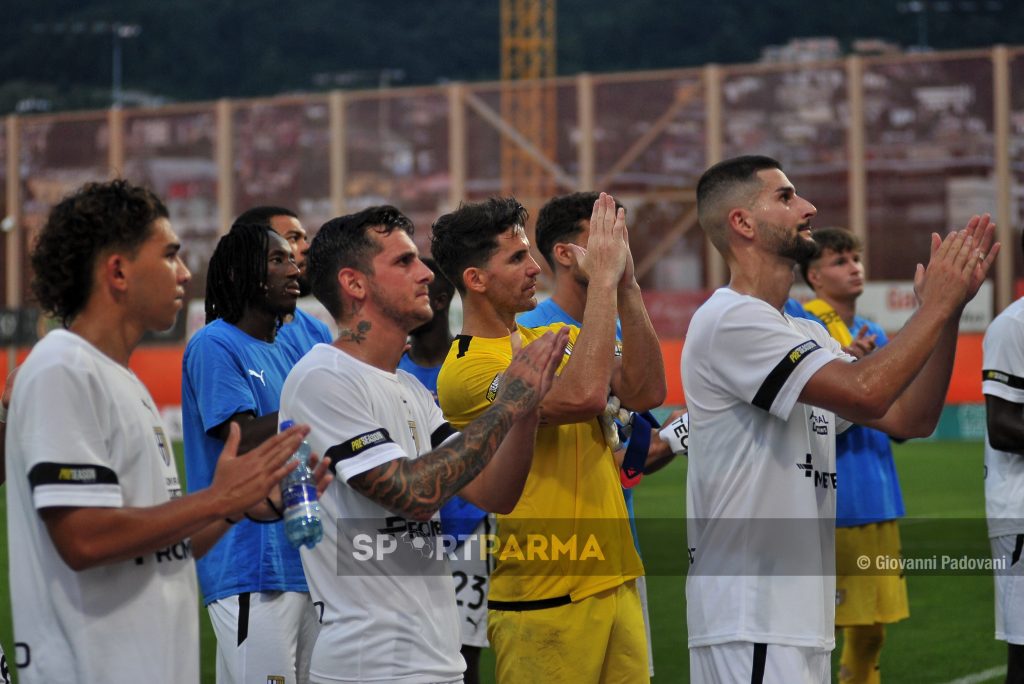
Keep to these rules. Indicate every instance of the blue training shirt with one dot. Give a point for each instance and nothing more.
(300, 334)
(226, 371)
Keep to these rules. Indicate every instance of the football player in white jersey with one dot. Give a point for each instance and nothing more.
(1003, 387)
(5, 402)
(103, 586)
(389, 612)
(764, 391)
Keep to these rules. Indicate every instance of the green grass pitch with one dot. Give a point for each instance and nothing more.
(950, 631)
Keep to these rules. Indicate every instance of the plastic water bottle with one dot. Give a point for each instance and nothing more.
(298, 493)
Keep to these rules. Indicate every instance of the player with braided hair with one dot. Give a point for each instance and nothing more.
(234, 368)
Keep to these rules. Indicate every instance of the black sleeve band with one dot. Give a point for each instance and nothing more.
(773, 384)
(440, 434)
(1012, 381)
(70, 474)
(357, 445)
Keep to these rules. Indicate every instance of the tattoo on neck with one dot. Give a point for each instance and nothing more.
(358, 335)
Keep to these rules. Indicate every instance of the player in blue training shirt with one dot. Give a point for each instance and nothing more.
(252, 579)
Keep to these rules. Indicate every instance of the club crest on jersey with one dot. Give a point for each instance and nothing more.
(163, 445)
(822, 478)
(492, 390)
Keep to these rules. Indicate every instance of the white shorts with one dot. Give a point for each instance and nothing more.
(472, 581)
(264, 637)
(641, 589)
(742, 661)
(1009, 588)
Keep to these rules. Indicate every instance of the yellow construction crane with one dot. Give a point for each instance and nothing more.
(527, 104)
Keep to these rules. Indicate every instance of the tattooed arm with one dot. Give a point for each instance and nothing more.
(502, 436)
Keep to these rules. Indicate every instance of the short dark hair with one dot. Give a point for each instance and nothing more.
(468, 236)
(345, 242)
(559, 221)
(237, 272)
(260, 216)
(95, 218)
(839, 240)
(718, 183)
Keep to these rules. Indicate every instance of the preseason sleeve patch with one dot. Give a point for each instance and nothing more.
(776, 380)
(492, 389)
(357, 445)
(70, 474)
(1011, 381)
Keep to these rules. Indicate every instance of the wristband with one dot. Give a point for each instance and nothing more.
(632, 469)
(677, 435)
(278, 512)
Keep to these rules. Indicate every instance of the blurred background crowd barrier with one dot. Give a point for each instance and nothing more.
(892, 146)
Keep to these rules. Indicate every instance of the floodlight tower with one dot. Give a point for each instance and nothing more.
(527, 105)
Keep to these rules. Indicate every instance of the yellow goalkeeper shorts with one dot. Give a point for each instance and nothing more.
(598, 639)
(872, 595)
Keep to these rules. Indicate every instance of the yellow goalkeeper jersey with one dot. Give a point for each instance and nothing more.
(569, 534)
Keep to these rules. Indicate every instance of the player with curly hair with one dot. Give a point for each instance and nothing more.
(103, 584)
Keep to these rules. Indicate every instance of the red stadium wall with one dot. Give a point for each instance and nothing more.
(160, 369)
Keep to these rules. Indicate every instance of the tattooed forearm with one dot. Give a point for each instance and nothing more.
(418, 488)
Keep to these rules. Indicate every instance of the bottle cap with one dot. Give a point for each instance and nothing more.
(287, 424)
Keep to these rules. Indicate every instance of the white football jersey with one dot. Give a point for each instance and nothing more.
(761, 481)
(381, 580)
(83, 431)
(1003, 377)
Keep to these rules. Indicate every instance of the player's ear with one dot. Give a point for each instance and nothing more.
(563, 254)
(741, 221)
(475, 279)
(113, 269)
(352, 283)
(813, 277)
